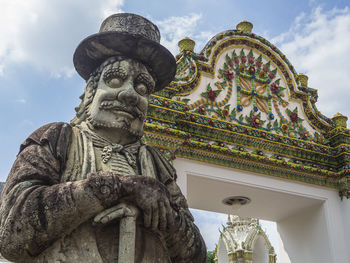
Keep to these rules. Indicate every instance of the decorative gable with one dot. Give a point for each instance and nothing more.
(240, 103)
(242, 78)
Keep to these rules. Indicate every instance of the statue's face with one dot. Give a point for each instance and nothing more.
(121, 98)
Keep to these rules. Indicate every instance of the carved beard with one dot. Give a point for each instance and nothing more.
(120, 122)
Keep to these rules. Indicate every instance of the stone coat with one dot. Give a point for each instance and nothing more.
(44, 220)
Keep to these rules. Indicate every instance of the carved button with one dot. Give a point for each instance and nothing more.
(105, 190)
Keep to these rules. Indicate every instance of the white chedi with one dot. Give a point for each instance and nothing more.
(242, 240)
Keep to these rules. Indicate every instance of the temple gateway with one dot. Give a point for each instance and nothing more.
(242, 126)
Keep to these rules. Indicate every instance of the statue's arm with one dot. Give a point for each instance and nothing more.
(185, 242)
(36, 209)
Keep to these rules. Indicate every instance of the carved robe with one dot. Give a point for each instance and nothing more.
(37, 205)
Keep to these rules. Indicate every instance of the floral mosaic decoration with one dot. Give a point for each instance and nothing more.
(257, 87)
(257, 128)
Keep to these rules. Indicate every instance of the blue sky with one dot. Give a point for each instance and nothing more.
(39, 85)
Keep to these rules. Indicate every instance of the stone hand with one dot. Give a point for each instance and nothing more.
(116, 212)
(148, 194)
(105, 186)
(152, 198)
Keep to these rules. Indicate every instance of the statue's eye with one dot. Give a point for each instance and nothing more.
(141, 88)
(144, 84)
(114, 82)
(114, 77)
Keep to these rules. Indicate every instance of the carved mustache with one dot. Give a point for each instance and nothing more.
(115, 105)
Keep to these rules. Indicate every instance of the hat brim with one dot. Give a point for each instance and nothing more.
(95, 49)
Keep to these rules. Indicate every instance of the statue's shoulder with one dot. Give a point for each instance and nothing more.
(56, 135)
(165, 169)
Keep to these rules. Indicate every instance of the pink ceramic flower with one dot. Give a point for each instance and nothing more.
(250, 60)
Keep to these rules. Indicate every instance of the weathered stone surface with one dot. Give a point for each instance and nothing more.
(90, 191)
(2, 184)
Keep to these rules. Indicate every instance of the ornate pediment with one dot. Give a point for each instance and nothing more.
(240, 103)
(241, 78)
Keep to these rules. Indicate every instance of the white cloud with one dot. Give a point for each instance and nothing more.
(21, 101)
(318, 44)
(209, 224)
(173, 29)
(44, 34)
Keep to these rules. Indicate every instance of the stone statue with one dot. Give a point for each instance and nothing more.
(90, 191)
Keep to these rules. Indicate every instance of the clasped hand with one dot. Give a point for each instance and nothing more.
(148, 195)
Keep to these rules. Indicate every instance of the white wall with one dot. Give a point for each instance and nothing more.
(305, 236)
(345, 208)
(311, 220)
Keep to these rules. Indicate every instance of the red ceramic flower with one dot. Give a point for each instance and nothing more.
(229, 74)
(255, 121)
(236, 60)
(265, 69)
(258, 64)
(202, 109)
(243, 59)
(293, 117)
(251, 70)
(271, 75)
(212, 95)
(230, 63)
(274, 88)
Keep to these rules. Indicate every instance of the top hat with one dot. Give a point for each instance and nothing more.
(128, 35)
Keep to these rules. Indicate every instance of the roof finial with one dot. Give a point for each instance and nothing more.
(303, 79)
(229, 222)
(186, 44)
(245, 26)
(340, 120)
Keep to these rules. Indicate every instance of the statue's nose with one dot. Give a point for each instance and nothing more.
(128, 96)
